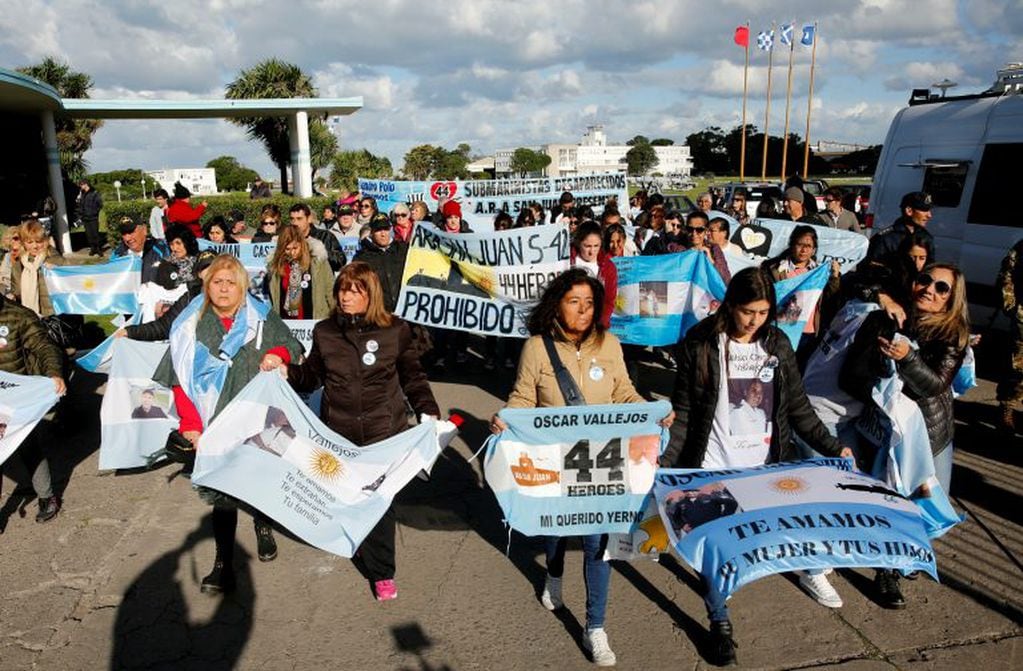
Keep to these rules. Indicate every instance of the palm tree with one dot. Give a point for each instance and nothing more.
(271, 78)
(74, 136)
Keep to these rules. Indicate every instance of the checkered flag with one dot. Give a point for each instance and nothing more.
(765, 40)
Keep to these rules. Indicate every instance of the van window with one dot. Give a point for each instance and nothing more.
(945, 183)
(999, 175)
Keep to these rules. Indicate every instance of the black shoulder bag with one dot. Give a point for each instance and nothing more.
(568, 387)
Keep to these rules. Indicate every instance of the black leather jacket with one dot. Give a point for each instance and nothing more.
(695, 398)
(927, 375)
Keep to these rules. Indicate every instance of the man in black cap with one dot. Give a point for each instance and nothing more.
(916, 212)
(345, 224)
(795, 199)
(135, 241)
(386, 256)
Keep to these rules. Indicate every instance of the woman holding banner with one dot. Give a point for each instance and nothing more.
(299, 284)
(366, 361)
(217, 345)
(566, 324)
(734, 355)
(938, 323)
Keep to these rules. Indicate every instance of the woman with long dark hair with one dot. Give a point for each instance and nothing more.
(568, 314)
(179, 267)
(719, 360)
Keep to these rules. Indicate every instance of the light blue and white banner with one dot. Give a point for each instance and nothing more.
(482, 283)
(100, 289)
(481, 200)
(896, 427)
(575, 470)
(271, 451)
(661, 297)
(24, 400)
(797, 299)
(349, 244)
(253, 255)
(302, 329)
(767, 238)
(734, 526)
(136, 414)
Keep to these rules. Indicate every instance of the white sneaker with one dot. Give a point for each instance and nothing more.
(595, 642)
(817, 586)
(551, 597)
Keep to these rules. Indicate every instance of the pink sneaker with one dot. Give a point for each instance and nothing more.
(385, 590)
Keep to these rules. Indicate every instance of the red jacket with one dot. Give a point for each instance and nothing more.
(608, 274)
(182, 212)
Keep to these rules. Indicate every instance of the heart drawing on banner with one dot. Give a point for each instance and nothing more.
(751, 239)
(439, 190)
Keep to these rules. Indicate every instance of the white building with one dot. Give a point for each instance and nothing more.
(593, 155)
(200, 181)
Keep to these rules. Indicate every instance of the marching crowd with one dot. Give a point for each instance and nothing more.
(742, 394)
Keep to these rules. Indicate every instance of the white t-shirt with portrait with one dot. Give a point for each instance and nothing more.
(740, 434)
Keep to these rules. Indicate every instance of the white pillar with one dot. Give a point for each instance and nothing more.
(293, 146)
(302, 170)
(60, 223)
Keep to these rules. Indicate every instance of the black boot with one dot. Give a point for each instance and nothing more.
(266, 546)
(220, 580)
(721, 647)
(48, 508)
(889, 595)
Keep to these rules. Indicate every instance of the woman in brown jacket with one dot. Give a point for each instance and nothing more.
(363, 357)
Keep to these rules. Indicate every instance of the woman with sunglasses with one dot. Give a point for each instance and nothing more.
(269, 224)
(402, 224)
(367, 209)
(694, 236)
(938, 323)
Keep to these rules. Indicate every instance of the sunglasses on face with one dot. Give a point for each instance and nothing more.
(696, 229)
(365, 206)
(940, 286)
(401, 215)
(269, 222)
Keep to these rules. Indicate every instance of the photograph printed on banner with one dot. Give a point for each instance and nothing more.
(4, 421)
(653, 299)
(150, 402)
(790, 310)
(687, 509)
(276, 435)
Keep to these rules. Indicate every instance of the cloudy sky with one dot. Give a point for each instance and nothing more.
(507, 73)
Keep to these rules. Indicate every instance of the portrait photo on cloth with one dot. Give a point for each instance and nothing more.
(150, 402)
(276, 435)
(689, 508)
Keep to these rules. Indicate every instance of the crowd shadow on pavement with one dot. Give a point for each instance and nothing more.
(411, 639)
(153, 629)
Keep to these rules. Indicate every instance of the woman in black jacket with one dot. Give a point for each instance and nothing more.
(938, 322)
(738, 398)
(364, 359)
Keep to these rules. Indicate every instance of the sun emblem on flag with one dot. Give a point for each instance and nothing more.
(88, 284)
(326, 466)
(789, 485)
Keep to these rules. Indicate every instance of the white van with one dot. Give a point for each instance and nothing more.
(967, 152)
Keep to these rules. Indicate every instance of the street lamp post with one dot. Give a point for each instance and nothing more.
(143, 188)
(117, 185)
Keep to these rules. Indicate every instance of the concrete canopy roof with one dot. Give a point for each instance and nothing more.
(21, 93)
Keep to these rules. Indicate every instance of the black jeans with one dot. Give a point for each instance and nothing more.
(92, 234)
(377, 550)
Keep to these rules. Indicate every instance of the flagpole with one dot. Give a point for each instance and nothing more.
(809, 102)
(767, 109)
(788, 100)
(745, 88)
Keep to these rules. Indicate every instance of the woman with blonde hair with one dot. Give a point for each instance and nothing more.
(11, 244)
(217, 345)
(27, 284)
(363, 357)
(299, 284)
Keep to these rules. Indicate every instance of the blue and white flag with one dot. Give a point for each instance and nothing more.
(765, 40)
(966, 377)
(575, 470)
(786, 34)
(137, 414)
(896, 427)
(808, 35)
(349, 243)
(797, 299)
(482, 283)
(100, 289)
(734, 526)
(660, 297)
(271, 451)
(481, 200)
(200, 372)
(770, 237)
(24, 400)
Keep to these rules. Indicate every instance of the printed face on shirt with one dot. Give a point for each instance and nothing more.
(576, 310)
(224, 292)
(749, 317)
(177, 248)
(589, 248)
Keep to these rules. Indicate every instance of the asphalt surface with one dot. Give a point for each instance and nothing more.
(113, 581)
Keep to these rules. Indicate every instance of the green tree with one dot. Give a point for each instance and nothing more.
(639, 139)
(419, 161)
(452, 164)
(525, 161)
(710, 152)
(131, 184)
(74, 136)
(231, 175)
(322, 145)
(662, 142)
(641, 158)
(348, 166)
(274, 78)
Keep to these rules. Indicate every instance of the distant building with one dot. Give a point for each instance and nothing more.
(200, 181)
(593, 155)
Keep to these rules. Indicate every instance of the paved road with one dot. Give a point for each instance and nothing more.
(113, 581)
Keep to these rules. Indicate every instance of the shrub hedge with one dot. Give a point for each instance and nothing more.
(216, 205)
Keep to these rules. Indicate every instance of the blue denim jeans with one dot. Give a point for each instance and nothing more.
(943, 468)
(596, 572)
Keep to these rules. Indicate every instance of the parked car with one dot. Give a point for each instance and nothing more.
(755, 192)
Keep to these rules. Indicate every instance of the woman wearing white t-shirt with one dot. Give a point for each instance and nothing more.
(729, 350)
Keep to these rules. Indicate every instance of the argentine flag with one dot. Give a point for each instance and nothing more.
(797, 297)
(101, 289)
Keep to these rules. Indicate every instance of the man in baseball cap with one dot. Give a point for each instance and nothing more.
(916, 212)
